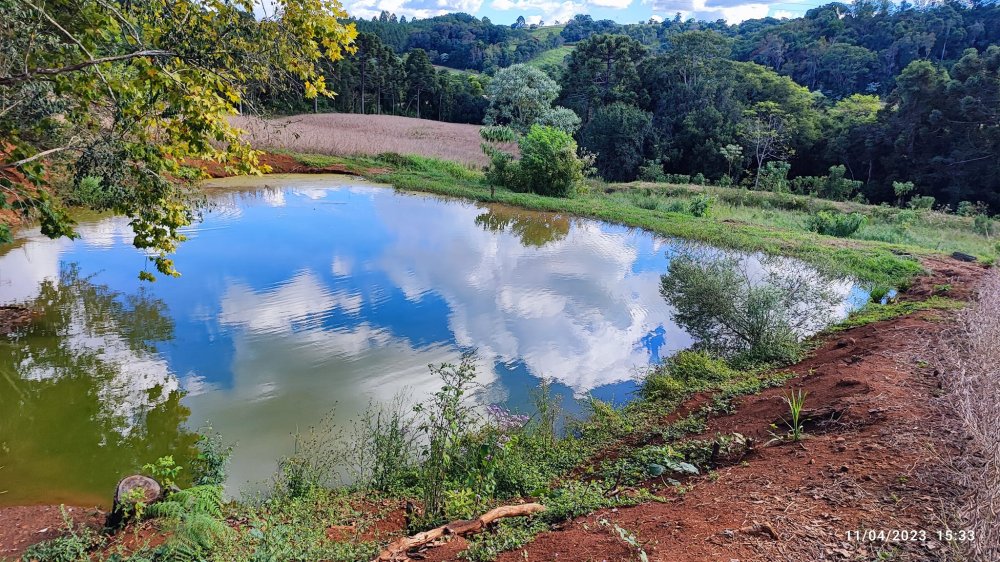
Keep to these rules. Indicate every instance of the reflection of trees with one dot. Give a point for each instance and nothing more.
(534, 228)
(73, 416)
(727, 307)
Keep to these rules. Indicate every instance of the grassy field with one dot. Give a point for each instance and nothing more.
(366, 135)
(739, 219)
(543, 33)
(552, 57)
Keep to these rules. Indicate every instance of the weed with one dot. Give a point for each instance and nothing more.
(164, 470)
(795, 401)
(69, 547)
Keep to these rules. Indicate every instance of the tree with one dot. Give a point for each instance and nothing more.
(600, 71)
(521, 96)
(765, 135)
(125, 93)
(420, 75)
(618, 134)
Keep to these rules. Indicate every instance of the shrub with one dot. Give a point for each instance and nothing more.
(983, 224)
(922, 203)
(383, 442)
(836, 224)
(697, 366)
(774, 176)
(700, 206)
(832, 186)
(659, 384)
(209, 467)
(549, 164)
(447, 419)
(902, 189)
(652, 171)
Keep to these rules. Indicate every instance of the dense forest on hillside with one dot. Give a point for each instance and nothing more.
(856, 100)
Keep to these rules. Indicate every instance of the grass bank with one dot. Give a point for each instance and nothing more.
(886, 252)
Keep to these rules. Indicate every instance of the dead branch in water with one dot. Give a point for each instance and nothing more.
(397, 549)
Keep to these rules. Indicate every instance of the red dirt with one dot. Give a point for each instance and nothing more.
(23, 526)
(279, 164)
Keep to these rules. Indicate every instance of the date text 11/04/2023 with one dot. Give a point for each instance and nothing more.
(910, 535)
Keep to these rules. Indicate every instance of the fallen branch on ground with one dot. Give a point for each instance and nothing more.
(397, 549)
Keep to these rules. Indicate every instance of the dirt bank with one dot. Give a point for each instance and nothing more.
(279, 164)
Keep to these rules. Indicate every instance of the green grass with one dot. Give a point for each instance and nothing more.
(551, 58)
(543, 33)
(877, 312)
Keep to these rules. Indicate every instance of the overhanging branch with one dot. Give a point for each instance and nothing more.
(17, 78)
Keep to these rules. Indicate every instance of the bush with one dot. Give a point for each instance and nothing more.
(774, 176)
(983, 224)
(652, 171)
(836, 224)
(833, 186)
(697, 366)
(659, 384)
(209, 467)
(700, 206)
(922, 203)
(549, 164)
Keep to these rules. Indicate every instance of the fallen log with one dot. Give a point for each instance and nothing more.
(397, 549)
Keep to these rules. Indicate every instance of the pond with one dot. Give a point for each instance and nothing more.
(304, 298)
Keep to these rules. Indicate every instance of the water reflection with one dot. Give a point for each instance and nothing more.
(534, 228)
(304, 294)
(84, 397)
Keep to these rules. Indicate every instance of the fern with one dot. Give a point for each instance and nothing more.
(197, 500)
(194, 519)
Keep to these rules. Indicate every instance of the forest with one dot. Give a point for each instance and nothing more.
(869, 101)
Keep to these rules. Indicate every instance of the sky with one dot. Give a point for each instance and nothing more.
(622, 11)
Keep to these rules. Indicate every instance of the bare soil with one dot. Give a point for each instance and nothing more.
(344, 134)
(23, 526)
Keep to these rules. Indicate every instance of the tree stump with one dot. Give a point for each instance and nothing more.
(126, 497)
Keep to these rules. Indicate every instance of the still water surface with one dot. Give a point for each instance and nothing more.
(303, 295)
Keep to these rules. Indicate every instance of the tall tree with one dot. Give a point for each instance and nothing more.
(601, 70)
(420, 75)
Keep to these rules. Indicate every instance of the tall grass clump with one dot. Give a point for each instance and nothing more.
(971, 367)
(840, 225)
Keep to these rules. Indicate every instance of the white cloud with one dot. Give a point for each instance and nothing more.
(710, 11)
(410, 8)
(553, 10)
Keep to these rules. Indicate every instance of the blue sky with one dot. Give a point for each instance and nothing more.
(622, 11)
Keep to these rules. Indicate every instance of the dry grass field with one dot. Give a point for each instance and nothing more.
(344, 134)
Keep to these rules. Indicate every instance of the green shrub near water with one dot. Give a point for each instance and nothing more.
(549, 164)
(836, 224)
